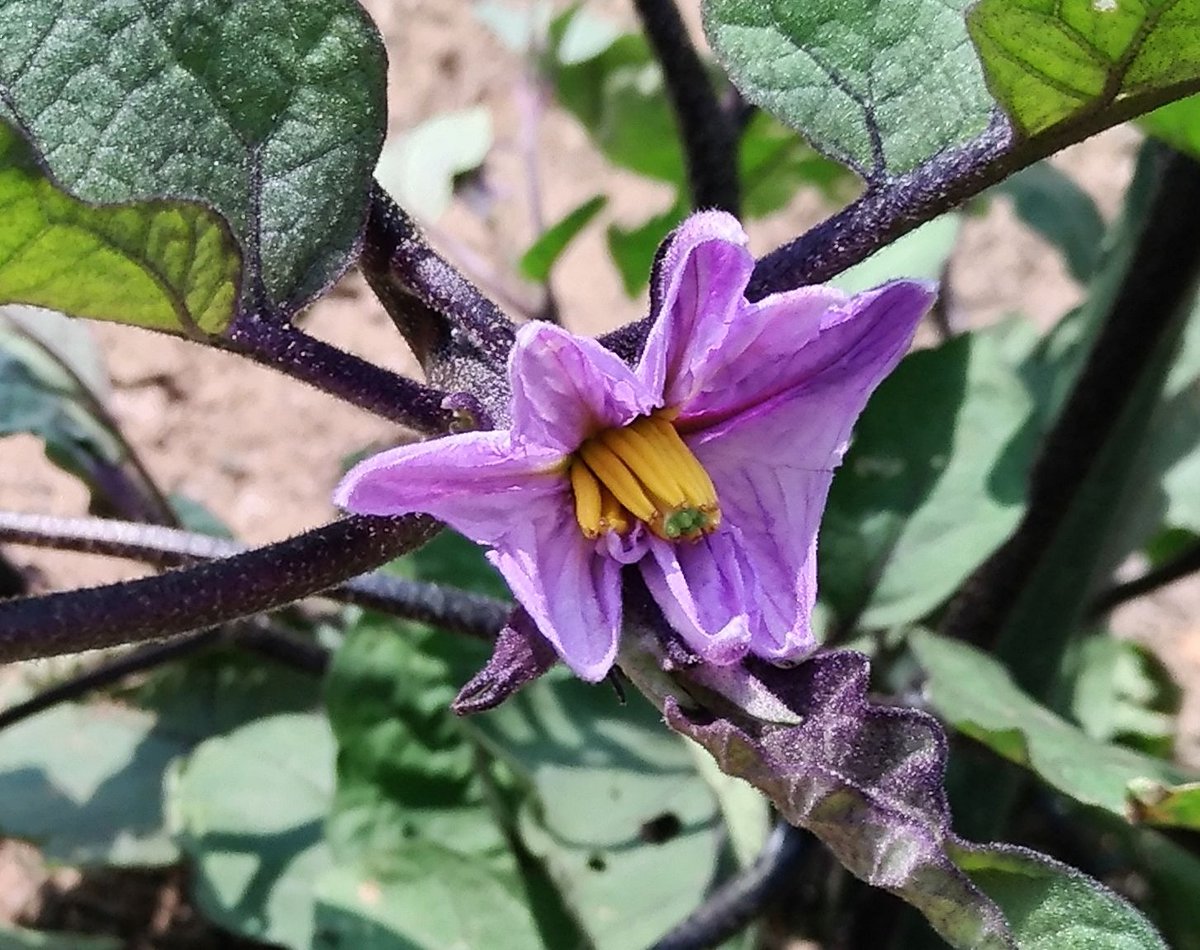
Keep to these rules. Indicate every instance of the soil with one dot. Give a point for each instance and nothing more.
(262, 451)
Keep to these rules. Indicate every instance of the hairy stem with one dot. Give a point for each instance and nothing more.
(451, 609)
(290, 350)
(710, 139)
(207, 594)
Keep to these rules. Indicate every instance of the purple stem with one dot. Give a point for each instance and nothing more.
(710, 139)
(208, 594)
(290, 350)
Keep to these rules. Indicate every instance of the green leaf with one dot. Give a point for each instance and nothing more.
(1177, 124)
(924, 496)
(431, 898)
(773, 162)
(1050, 906)
(614, 87)
(167, 266)
(1123, 693)
(633, 250)
(1048, 63)
(851, 76)
(248, 808)
(1064, 214)
(84, 783)
(271, 113)
(627, 829)
(18, 938)
(1172, 805)
(976, 694)
(537, 262)
(744, 808)
(419, 166)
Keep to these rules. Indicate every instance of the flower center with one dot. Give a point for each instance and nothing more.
(642, 472)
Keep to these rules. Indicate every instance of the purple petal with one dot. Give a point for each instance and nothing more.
(702, 588)
(520, 656)
(572, 592)
(807, 339)
(473, 481)
(699, 285)
(776, 511)
(566, 388)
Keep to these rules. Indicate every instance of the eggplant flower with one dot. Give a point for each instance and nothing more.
(707, 464)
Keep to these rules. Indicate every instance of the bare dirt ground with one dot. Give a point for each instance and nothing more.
(262, 451)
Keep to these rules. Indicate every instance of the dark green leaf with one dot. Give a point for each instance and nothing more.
(270, 112)
(633, 250)
(627, 829)
(855, 76)
(249, 808)
(537, 262)
(167, 266)
(976, 694)
(419, 166)
(1048, 63)
(1052, 204)
(934, 480)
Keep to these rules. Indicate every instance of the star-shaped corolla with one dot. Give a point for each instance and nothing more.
(707, 464)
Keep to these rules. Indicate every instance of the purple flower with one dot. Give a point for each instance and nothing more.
(707, 464)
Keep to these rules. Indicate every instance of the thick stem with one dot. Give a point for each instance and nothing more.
(290, 350)
(451, 609)
(710, 139)
(732, 906)
(208, 594)
(1160, 280)
(427, 297)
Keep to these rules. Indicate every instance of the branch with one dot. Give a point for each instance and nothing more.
(449, 608)
(208, 594)
(1185, 563)
(710, 139)
(731, 907)
(1159, 280)
(290, 350)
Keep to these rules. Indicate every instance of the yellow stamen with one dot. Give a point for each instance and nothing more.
(697, 486)
(612, 516)
(608, 467)
(589, 509)
(642, 457)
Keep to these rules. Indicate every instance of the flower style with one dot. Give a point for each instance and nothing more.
(707, 464)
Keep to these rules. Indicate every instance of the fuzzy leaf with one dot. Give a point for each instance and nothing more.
(977, 695)
(1049, 62)
(271, 113)
(168, 266)
(851, 76)
(867, 780)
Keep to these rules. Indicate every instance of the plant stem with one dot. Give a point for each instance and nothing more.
(1159, 281)
(207, 594)
(737, 902)
(458, 611)
(290, 350)
(710, 139)
(1182, 565)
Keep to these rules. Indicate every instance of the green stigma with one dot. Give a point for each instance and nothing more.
(686, 522)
